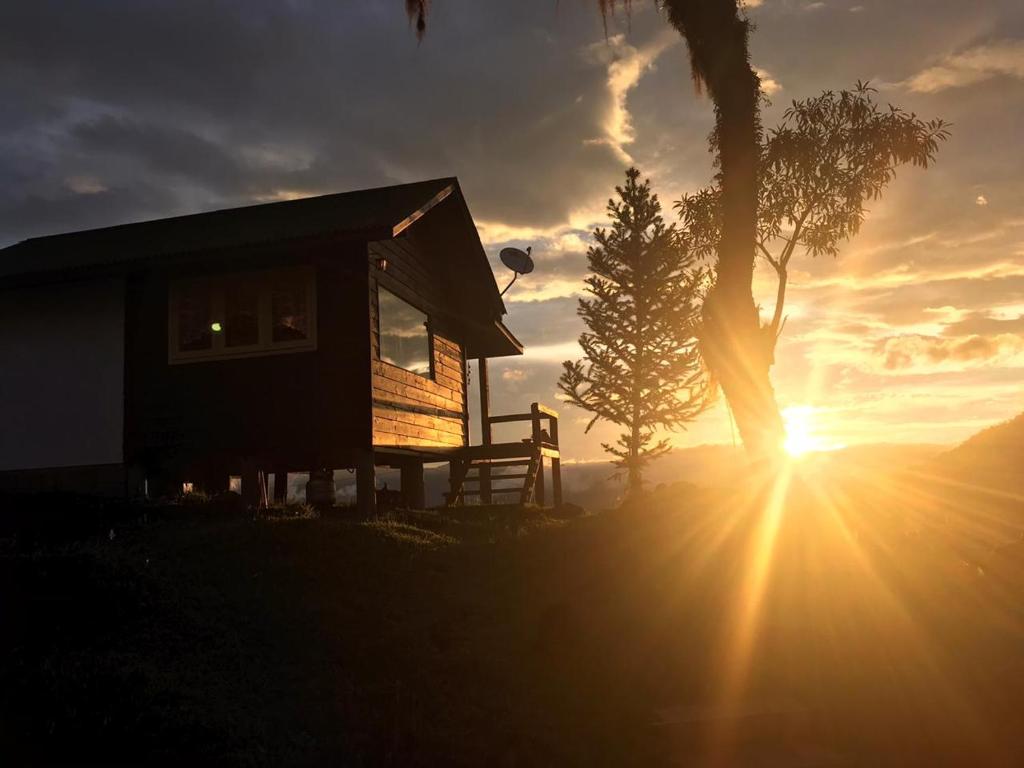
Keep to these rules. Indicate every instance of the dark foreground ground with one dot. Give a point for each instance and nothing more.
(854, 623)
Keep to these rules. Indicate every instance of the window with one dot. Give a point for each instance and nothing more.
(289, 316)
(241, 315)
(193, 317)
(404, 333)
(258, 313)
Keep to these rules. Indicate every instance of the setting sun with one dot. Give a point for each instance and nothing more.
(803, 432)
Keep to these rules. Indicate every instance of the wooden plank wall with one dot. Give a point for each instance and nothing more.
(410, 410)
(295, 411)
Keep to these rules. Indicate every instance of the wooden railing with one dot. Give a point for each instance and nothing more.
(537, 414)
(544, 439)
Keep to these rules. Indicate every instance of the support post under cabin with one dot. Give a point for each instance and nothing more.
(485, 427)
(250, 484)
(366, 485)
(556, 464)
(413, 492)
(280, 486)
(538, 441)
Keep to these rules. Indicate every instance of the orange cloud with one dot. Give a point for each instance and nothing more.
(917, 351)
(628, 64)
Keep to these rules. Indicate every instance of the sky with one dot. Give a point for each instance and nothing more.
(122, 111)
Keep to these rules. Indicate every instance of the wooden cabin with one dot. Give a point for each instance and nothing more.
(306, 335)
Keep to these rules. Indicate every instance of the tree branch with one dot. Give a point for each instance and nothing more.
(787, 251)
(780, 302)
(767, 255)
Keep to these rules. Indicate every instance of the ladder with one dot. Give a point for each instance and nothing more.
(466, 481)
(476, 468)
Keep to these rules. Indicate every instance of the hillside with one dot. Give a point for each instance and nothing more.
(992, 458)
(885, 634)
(855, 612)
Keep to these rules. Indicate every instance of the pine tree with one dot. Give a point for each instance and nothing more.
(641, 368)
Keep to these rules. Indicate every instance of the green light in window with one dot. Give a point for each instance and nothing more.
(216, 327)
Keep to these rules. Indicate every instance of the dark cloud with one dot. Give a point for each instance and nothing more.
(544, 322)
(161, 149)
(503, 96)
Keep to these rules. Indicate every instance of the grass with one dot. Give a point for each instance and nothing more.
(516, 639)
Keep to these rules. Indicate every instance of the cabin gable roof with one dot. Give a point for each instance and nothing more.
(380, 213)
(365, 214)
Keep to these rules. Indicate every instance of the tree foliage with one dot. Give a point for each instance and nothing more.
(641, 369)
(830, 156)
(732, 340)
(416, 10)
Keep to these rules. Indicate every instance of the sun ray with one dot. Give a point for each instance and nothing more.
(745, 624)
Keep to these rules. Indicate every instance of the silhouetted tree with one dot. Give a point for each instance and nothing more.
(732, 340)
(830, 155)
(641, 368)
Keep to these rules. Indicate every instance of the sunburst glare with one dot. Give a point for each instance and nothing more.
(803, 432)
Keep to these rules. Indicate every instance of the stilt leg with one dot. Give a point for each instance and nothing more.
(413, 491)
(280, 486)
(250, 484)
(539, 495)
(556, 481)
(366, 485)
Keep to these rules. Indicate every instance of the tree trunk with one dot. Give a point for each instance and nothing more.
(634, 480)
(735, 347)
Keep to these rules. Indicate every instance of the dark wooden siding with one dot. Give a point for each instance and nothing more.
(294, 411)
(411, 410)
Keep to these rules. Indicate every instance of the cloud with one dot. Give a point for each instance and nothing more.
(916, 351)
(85, 185)
(514, 374)
(902, 275)
(983, 62)
(552, 353)
(769, 84)
(277, 99)
(626, 66)
(986, 322)
(559, 254)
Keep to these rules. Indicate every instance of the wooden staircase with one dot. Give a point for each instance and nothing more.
(472, 476)
(477, 469)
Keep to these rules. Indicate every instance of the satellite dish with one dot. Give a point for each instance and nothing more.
(516, 260)
(520, 262)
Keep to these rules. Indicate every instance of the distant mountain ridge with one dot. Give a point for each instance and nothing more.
(994, 457)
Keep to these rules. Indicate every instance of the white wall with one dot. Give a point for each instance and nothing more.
(62, 375)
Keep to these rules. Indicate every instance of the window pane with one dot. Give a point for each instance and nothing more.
(289, 316)
(194, 332)
(241, 316)
(404, 340)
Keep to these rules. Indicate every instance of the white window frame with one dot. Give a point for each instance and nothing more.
(264, 282)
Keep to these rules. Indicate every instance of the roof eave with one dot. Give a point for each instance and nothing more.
(422, 211)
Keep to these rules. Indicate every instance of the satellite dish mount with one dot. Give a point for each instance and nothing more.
(520, 262)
